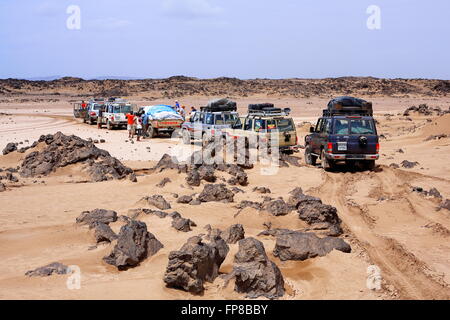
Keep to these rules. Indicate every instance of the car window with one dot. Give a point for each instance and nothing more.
(260, 125)
(202, 117)
(319, 125)
(327, 126)
(209, 118)
(341, 126)
(248, 124)
(361, 126)
(196, 117)
(237, 124)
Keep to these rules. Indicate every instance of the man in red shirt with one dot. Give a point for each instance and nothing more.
(130, 125)
(83, 105)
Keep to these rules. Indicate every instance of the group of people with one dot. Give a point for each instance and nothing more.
(182, 110)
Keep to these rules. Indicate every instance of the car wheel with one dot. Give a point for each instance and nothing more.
(91, 121)
(186, 137)
(151, 132)
(370, 164)
(326, 164)
(310, 158)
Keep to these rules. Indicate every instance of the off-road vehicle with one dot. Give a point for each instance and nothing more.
(114, 113)
(161, 119)
(93, 108)
(345, 132)
(210, 120)
(259, 125)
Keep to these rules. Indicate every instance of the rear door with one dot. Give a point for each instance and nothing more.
(315, 138)
(355, 135)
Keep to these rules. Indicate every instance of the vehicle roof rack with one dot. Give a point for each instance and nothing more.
(348, 106)
(255, 110)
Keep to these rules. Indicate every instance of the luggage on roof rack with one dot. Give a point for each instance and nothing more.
(220, 105)
(348, 106)
(260, 106)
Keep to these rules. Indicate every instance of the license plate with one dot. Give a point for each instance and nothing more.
(342, 146)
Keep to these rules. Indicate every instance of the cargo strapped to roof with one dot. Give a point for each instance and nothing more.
(267, 109)
(348, 106)
(220, 105)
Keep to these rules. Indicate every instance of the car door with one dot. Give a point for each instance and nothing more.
(315, 139)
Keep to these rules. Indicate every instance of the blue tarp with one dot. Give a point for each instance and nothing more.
(160, 112)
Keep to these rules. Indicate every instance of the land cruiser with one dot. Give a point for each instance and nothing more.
(345, 132)
(114, 113)
(93, 108)
(261, 122)
(212, 119)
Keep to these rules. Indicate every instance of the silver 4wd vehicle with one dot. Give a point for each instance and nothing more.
(212, 119)
(114, 113)
(93, 108)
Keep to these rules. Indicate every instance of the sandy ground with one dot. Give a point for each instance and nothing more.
(386, 224)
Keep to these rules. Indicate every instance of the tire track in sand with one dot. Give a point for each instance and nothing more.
(410, 276)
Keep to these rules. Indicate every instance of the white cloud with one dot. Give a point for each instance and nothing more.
(190, 9)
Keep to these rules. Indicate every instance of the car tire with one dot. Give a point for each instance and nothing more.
(186, 136)
(151, 132)
(91, 121)
(370, 165)
(327, 165)
(309, 157)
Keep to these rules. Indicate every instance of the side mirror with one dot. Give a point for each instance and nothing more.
(311, 129)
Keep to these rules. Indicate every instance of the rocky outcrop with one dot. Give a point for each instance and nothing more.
(195, 263)
(294, 245)
(216, 192)
(184, 199)
(97, 216)
(134, 244)
(48, 270)
(163, 182)
(408, 164)
(62, 150)
(261, 190)
(182, 224)
(254, 274)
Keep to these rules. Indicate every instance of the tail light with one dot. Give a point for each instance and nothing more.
(92, 113)
(330, 147)
(378, 147)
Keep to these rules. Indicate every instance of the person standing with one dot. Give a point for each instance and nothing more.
(145, 124)
(138, 124)
(183, 112)
(130, 124)
(100, 118)
(177, 106)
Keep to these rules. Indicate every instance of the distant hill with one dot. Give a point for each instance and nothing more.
(180, 86)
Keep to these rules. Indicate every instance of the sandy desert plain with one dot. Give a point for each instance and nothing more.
(387, 223)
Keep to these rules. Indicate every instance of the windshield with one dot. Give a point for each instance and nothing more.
(284, 125)
(97, 106)
(225, 119)
(354, 126)
(122, 109)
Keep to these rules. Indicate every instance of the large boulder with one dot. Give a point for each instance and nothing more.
(216, 192)
(195, 263)
(302, 245)
(134, 244)
(48, 270)
(255, 275)
(10, 147)
(95, 216)
(277, 207)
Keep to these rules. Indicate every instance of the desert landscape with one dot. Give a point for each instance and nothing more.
(70, 193)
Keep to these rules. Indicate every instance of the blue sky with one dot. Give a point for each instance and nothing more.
(233, 38)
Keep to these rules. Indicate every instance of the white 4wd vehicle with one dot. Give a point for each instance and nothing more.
(114, 115)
